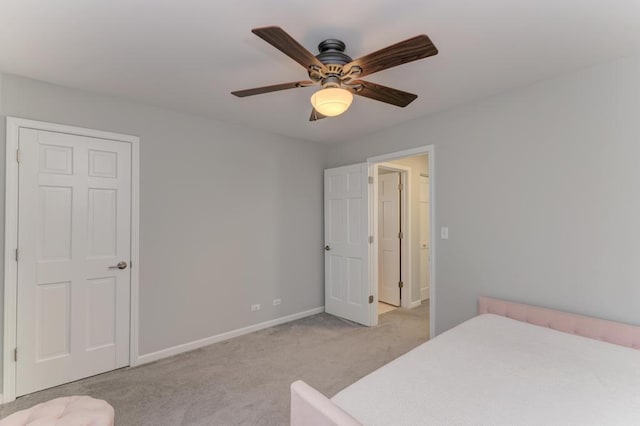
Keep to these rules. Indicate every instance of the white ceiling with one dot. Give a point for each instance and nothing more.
(188, 55)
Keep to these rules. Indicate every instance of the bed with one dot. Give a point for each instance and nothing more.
(513, 364)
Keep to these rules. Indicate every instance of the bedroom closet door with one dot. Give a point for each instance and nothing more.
(74, 242)
(346, 195)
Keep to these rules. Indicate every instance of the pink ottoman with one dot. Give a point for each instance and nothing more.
(67, 411)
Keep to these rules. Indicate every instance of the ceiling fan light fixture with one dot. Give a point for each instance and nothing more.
(331, 101)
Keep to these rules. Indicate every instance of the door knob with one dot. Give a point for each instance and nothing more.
(327, 248)
(120, 265)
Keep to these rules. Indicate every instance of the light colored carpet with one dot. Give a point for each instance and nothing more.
(246, 380)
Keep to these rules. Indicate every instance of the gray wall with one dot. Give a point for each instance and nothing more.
(229, 216)
(540, 189)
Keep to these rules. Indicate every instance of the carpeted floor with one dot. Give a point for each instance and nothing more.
(246, 380)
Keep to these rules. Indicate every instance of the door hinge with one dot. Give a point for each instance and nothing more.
(15, 354)
(370, 299)
(400, 235)
(370, 179)
(400, 187)
(370, 239)
(400, 284)
(17, 155)
(16, 255)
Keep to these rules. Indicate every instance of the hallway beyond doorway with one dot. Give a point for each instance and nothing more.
(383, 308)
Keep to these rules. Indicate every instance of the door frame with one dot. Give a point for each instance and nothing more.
(11, 239)
(419, 201)
(373, 227)
(405, 228)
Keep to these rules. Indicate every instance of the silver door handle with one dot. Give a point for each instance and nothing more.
(327, 248)
(120, 265)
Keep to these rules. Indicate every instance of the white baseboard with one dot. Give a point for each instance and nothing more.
(185, 347)
(415, 304)
(424, 293)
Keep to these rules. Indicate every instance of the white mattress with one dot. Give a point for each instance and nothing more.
(493, 370)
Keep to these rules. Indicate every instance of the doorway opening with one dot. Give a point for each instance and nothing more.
(401, 213)
(351, 242)
(393, 219)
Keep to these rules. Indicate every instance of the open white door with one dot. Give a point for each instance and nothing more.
(389, 238)
(347, 243)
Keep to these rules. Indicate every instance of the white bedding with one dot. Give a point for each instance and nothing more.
(493, 370)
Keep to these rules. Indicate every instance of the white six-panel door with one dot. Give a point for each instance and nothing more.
(389, 238)
(74, 228)
(346, 243)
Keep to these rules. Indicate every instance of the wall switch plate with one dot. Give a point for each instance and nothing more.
(444, 233)
(276, 302)
(255, 307)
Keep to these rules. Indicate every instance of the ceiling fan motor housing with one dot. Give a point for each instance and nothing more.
(332, 52)
(333, 57)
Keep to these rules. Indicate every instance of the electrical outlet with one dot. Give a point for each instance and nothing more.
(276, 302)
(444, 233)
(255, 307)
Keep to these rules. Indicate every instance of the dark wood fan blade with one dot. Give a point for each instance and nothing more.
(315, 115)
(282, 41)
(415, 48)
(274, 88)
(384, 94)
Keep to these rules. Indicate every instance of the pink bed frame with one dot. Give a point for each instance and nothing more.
(593, 328)
(310, 408)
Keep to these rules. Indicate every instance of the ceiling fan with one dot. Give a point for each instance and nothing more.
(339, 75)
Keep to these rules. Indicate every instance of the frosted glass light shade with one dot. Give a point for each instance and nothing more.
(332, 101)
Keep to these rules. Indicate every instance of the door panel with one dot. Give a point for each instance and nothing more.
(74, 223)
(346, 262)
(101, 301)
(54, 238)
(356, 285)
(102, 223)
(389, 241)
(53, 320)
